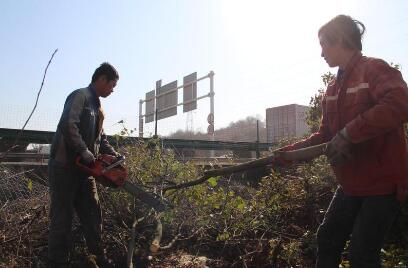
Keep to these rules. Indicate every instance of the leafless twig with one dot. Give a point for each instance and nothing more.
(35, 106)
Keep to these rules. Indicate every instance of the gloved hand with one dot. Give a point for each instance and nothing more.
(87, 157)
(338, 150)
(280, 159)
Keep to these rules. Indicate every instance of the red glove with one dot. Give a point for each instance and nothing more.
(279, 158)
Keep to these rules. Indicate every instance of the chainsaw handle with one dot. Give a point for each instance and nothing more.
(84, 168)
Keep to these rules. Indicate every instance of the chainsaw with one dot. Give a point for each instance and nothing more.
(109, 171)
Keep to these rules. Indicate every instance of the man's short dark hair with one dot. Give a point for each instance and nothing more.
(105, 69)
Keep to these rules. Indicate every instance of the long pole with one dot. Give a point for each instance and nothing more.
(258, 154)
(211, 75)
(140, 119)
(155, 124)
(158, 86)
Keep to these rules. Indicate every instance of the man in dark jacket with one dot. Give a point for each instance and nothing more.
(79, 133)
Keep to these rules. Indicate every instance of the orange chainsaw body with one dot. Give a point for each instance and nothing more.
(112, 177)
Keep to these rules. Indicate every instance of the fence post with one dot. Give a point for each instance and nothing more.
(258, 154)
(211, 75)
(140, 119)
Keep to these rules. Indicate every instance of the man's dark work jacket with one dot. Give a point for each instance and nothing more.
(79, 129)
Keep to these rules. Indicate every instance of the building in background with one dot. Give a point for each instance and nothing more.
(286, 121)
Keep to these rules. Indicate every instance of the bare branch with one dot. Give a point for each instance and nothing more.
(35, 106)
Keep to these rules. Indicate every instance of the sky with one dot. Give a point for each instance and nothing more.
(263, 54)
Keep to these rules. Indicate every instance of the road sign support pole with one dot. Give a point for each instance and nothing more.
(155, 125)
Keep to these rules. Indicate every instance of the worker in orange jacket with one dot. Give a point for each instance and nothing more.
(364, 110)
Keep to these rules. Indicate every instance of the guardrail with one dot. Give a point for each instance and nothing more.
(41, 159)
(8, 136)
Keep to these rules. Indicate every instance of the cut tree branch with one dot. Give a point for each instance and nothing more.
(303, 154)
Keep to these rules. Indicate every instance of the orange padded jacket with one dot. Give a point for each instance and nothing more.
(371, 102)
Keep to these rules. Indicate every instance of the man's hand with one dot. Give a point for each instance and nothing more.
(117, 155)
(87, 157)
(338, 150)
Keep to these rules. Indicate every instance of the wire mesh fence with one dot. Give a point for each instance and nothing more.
(23, 215)
(20, 184)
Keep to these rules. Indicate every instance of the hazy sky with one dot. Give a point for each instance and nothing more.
(263, 53)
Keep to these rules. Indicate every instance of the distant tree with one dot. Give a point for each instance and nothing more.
(314, 113)
(188, 135)
(241, 130)
(396, 66)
